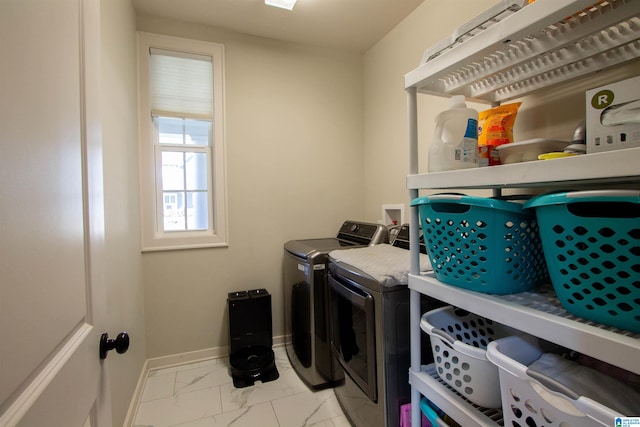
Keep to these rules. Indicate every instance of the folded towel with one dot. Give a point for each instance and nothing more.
(575, 380)
(387, 264)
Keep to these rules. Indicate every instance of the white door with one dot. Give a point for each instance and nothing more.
(51, 227)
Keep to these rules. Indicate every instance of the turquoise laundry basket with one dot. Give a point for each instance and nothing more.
(482, 244)
(591, 242)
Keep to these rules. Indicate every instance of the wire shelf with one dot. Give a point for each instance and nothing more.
(492, 64)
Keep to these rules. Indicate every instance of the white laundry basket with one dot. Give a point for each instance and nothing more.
(528, 402)
(459, 341)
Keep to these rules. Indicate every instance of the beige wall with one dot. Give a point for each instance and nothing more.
(122, 231)
(294, 170)
(297, 119)
(314, 137)
(385, 103)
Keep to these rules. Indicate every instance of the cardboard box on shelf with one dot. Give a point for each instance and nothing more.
(613, 116)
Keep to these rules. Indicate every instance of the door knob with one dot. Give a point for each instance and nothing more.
(120, 344)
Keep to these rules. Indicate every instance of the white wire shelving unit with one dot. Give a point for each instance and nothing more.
(506, 53)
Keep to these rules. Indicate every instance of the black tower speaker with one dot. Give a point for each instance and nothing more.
(250, 337)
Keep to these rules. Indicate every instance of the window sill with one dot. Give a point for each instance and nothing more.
(175, 247)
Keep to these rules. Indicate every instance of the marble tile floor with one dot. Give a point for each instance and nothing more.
(202, 394)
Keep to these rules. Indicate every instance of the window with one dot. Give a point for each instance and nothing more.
(183, 190)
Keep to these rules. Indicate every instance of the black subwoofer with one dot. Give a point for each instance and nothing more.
(251, 338)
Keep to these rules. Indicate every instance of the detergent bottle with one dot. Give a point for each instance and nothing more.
(455, 140)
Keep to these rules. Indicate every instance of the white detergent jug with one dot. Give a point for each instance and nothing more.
(455, 140)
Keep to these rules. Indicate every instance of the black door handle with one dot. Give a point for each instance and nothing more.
(121, 344)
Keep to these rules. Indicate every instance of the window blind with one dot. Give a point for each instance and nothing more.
(181, 85)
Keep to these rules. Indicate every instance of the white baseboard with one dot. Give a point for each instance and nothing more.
(176, 360)
(137, 395)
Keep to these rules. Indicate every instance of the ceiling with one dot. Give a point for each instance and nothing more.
(354, 25)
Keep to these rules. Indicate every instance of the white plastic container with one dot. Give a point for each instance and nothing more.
(459, 341)
(455, 140)
(528, 401)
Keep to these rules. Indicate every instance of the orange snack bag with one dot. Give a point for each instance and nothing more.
(495, 127)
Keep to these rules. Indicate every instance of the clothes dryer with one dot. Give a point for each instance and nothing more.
(306, 299)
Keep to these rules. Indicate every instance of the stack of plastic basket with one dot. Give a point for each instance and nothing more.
(591, 241)
(482, 244)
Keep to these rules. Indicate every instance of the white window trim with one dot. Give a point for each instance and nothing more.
(152, 240)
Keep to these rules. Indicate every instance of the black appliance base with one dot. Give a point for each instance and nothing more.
(252, 364)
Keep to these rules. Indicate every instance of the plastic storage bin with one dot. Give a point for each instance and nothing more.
(482, 244)
(405, 417)
(433, 414)
(528, 402)
(459, 341)
(591, 241)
